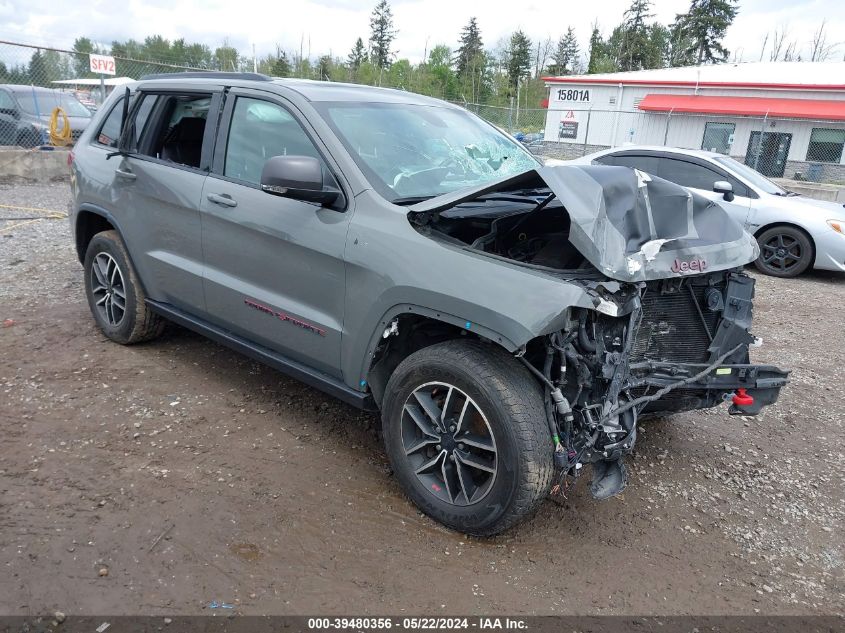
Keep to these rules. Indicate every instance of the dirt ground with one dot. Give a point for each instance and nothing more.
(162, 477)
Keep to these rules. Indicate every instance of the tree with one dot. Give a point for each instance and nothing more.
(226, 57)
(470, 60)
(436, 75)
(681, 48)
(81, 64)
(631, 38)
(705, 25)
(820, 50)
(600, 60)
(324, 67)
(46, 67)
(382, 35)
(566, 53)
(544, 51)
(357, 56)
(518, 59)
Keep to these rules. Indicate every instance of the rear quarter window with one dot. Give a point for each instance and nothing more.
(110, 129)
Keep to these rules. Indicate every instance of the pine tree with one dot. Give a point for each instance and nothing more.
(681, 47)
(704, 25)
(632, 37)
(470, 60)
(518, 60)
(598, 52)
(470, 48)
(81, 64)
(566, 53)
(357, 56)
(382, 34)
(281, 66)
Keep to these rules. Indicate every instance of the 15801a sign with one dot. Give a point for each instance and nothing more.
(574, 94)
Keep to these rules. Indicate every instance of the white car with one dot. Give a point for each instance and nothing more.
(794, 232)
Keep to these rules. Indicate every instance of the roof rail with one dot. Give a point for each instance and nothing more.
(210, 74)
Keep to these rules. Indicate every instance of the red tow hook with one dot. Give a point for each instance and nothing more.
(742, 399)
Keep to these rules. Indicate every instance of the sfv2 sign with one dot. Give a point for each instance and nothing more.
(101, 64)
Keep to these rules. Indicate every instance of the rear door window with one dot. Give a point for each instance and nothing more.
(648, 164)
(688, 174)
(176, 130)
(696, 176)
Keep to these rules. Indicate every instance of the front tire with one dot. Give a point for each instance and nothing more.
(466, 433)
(785, 251)
(114, 293)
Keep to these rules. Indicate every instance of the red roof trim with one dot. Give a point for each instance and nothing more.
(701, 84)
(824, 109)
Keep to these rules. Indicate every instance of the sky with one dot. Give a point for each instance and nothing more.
(331, 26)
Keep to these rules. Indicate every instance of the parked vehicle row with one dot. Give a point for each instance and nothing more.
(25, 114)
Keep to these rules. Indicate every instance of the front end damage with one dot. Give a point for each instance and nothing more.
(670, 324)
(671, 345)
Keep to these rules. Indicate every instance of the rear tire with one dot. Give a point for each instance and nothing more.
(785, 251)
(493, 443)
(114, 293)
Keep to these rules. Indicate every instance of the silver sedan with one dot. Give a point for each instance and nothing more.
(794, 232)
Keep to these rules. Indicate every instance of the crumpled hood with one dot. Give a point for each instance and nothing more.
(628, 224)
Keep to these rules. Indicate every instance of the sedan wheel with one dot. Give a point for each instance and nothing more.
(784, 252)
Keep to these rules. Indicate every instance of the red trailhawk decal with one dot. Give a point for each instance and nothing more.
(283, 316)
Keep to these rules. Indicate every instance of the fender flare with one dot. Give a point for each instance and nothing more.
(87, 207)
(436, 315)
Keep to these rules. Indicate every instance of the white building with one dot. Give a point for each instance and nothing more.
(796, 108)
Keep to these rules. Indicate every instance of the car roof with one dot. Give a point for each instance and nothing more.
(307, 88)
(699, 153)
(24, 88)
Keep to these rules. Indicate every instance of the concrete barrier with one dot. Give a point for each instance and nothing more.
(817, 190)
(33, 165)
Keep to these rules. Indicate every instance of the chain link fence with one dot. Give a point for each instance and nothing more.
(38, 79)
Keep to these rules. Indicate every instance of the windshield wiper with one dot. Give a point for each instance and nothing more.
(410, 200)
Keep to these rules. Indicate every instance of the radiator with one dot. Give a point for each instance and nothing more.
(672, 328)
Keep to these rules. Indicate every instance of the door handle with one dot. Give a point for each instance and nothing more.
(224, 200)
(123, 173)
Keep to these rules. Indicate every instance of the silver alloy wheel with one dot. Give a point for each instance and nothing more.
(449, 443)
(108, 289)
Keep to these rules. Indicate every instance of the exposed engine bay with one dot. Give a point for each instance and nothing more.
(656, 340)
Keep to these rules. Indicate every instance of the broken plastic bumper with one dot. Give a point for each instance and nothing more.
(761, 382)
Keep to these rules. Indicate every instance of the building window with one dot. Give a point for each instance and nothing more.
(826, 145)
(718, 137)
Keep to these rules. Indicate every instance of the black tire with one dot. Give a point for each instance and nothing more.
(785, 251)
(137, 323)
(510, 399)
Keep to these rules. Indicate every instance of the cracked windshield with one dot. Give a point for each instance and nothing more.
(412, 152)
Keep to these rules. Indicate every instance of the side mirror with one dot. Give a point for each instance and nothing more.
(297, 177)
(725, 188)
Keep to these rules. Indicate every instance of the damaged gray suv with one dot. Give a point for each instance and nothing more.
(510, 321)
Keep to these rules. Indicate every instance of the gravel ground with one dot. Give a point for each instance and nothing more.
(160, 477)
